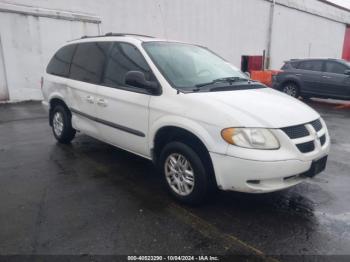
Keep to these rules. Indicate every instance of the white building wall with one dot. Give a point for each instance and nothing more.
(231, 28)
(301, 35)
(27, 44)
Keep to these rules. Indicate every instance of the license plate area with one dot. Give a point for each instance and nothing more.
(317, 167)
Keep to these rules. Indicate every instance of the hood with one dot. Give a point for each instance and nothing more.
(263, 107)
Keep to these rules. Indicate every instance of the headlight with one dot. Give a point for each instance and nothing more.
(255, 138)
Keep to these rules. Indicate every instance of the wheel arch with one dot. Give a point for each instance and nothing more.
(188, 125)
(169, 133)
(291, 80)
(54, 101)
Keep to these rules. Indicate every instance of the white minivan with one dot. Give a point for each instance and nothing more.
(203, 122)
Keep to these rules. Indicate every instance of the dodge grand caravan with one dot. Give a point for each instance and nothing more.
(198, 118)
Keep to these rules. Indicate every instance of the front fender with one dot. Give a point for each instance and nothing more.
(209, 135)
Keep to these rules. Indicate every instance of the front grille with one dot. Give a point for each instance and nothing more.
(323, 140)
(296, 131)
(306, 147)
(317, 125)
(306, 131)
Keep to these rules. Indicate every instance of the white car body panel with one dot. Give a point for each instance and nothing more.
(127, 109)
(204, 114)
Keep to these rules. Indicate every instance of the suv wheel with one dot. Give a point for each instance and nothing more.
(291, 89)
(62, 125)
(184, 173)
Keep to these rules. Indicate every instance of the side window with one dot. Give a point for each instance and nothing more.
(311, 65)
(88, 61)
(122, 59)
(61, 61)
(290, 65)
(336, 68)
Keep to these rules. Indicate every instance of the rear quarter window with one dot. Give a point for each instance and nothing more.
(60, 63)
(290, 65)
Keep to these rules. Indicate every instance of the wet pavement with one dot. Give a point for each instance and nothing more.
(92, 198)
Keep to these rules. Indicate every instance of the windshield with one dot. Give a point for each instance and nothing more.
(187, 66)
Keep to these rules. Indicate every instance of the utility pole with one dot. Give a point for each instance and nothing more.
(269, 34)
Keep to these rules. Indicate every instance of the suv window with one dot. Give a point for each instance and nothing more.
(334, 67)
(311, 65)
(290, 65)
(60, 63)
(122, 59)
(88, 62)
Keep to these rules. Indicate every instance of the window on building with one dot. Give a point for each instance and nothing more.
(311, 65)
(61, 61)
(122, 59)
(336, 68)
(88, 62)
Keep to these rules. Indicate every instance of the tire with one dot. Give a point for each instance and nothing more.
(292, 89)
(62, 125)
(201, 185)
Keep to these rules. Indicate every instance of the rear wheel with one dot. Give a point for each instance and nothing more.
(62, 125)
(291, 89)
(184, 173)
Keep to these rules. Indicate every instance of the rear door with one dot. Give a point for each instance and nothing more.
(310, 74)
(85, 74)
(123, 110)
(335, 82)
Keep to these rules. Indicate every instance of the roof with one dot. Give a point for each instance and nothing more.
(313, 59)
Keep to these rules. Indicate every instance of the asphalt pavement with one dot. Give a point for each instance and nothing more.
(92, 198)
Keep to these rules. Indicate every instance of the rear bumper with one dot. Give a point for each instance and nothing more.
(250, 176)
(45, 105)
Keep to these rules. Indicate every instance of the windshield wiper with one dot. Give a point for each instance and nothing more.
(225, 79)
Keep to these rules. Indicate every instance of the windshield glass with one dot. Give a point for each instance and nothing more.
(187, 66)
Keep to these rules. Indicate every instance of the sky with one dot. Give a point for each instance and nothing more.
(345, 3)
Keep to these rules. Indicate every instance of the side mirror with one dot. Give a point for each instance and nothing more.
(247, 74)
(138, 79)
(347, 72)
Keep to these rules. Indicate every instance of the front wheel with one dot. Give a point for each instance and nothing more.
(291, 89)
(184, 173)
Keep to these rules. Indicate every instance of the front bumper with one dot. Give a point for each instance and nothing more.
(250, 176)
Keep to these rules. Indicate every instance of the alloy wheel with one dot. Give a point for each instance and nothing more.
(179, 174)
(291, 90)
(58, 123)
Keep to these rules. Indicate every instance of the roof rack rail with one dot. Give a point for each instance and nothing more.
(126, 34)
(111, 34)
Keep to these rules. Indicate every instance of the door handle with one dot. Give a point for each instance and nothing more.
(90, 99)
(327, 77)
(298, 74)
(102, 102)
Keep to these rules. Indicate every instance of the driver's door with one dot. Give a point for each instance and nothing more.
(123, 110)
